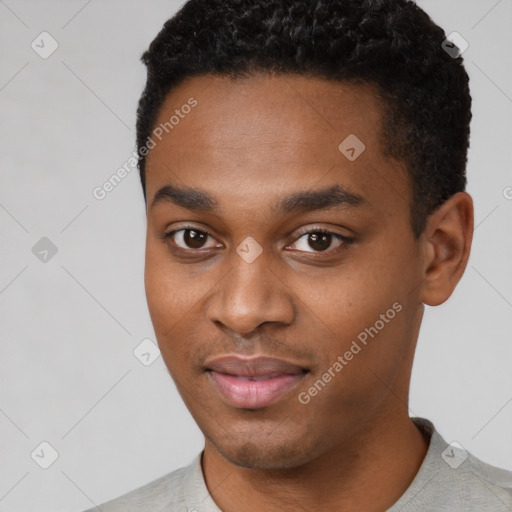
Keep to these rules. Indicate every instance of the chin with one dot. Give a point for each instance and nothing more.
(265, 452)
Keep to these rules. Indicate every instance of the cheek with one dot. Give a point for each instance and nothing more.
(160, 299)
(359, 312)
(174, 302)
(166, 303)
(347, 299)
(169, 294)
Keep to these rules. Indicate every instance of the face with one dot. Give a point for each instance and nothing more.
(265, 237)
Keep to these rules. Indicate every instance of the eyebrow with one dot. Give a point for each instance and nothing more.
(308, 200)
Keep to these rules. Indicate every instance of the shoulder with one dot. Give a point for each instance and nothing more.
(157, 495)
(486, 487)
(452, 479)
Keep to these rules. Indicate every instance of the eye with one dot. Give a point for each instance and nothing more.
(321, 240)
(189, 238)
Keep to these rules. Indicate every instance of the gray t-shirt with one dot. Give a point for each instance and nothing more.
(449, 479)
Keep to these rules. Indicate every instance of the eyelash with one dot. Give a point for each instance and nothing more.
(346, 240)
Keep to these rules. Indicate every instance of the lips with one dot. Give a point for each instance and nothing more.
(255, 382)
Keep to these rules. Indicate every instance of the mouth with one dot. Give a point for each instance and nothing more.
(253, 383)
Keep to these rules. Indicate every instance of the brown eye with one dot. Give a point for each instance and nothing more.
(189, 238)
(320, 241)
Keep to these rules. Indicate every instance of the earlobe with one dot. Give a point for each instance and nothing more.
(447, 238)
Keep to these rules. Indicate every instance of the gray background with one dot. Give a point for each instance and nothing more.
(68, 375)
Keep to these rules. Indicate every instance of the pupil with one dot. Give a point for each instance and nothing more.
(317, 239)
(194, 239)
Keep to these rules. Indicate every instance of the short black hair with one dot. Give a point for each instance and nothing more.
(390, 44)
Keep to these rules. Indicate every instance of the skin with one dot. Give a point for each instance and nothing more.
(250, 142)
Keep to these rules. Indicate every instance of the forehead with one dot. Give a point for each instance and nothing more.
(270, 134)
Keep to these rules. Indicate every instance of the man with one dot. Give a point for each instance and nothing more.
(303, 166)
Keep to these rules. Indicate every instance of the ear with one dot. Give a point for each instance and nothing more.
(447, 243)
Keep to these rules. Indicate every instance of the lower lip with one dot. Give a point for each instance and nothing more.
(253, 394)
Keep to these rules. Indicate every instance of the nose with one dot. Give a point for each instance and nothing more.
(249, 295)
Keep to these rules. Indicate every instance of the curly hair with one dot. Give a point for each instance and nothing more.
(392, 45)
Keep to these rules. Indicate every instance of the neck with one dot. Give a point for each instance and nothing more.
(368, 473)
